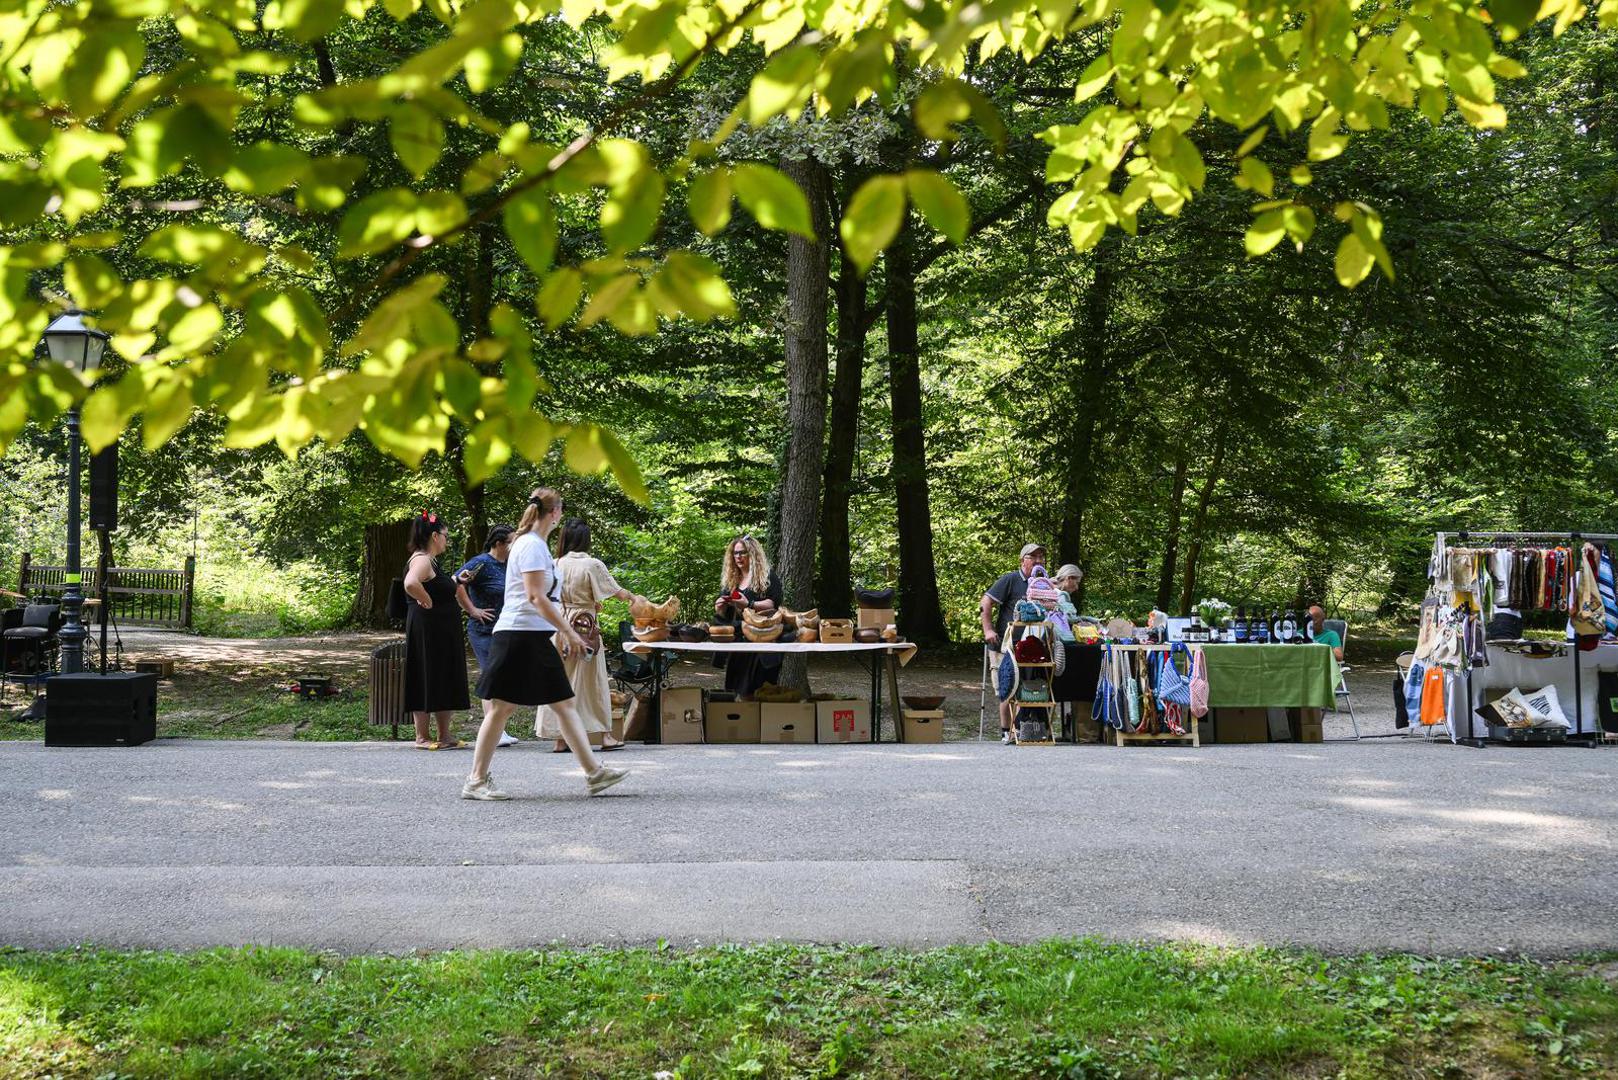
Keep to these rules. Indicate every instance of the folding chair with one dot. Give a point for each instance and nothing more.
(1342, 695)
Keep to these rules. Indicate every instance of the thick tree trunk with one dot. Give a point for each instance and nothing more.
(835, 590)
(921, 618)
(808, 279)
(1199, 522)
(382, 561)
(1171, 541)
(1087, 388)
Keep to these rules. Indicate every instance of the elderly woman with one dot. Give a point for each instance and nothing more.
(586, 582)
(746, 581)
(1077, 679)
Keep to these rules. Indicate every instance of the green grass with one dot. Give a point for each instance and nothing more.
(1056, 1009)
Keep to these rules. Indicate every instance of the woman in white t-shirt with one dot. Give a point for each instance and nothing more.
(525, 666)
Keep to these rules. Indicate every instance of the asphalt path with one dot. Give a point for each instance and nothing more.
(367, 848)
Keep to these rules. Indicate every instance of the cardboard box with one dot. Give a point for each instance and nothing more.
(682, 715)
(731, 722)
(842, 721)
(1306, 725)
(1085, 726)
(1241, 725)
(834, 632)
(783, 722)
(877, 617)
(924, 726)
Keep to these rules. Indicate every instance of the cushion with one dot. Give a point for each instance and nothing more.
(875, 598)
(1546, 708)
(26, 633)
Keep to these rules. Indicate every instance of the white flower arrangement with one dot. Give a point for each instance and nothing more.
(1213, 611)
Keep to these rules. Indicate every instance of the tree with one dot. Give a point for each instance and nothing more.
(152, 159)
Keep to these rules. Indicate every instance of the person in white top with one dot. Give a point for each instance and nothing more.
(525, 657)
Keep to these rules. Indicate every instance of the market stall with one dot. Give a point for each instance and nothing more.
(882, 658)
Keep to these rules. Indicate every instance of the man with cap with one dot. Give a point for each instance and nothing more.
(1009, 588)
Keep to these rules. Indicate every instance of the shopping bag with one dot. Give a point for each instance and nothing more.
(1199, 684)
(1173, 687)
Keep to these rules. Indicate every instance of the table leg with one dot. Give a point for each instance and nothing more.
(876, 698)
(654, 723)
(892, 664)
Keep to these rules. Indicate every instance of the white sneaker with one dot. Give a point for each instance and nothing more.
(507, 739)
(1005, 736)
(483, 790)
(603, 778)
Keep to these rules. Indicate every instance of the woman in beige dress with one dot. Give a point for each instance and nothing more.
(585, 582)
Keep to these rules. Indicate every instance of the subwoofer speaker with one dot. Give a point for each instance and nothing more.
(117, 709)
(104, 489)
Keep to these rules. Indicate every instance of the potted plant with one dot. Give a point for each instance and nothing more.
(1212, 613)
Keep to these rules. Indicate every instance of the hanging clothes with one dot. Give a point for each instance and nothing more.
(1609, 598)
(1434, 710)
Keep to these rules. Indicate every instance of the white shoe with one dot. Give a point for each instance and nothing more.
(603, 778)
(483, 790)
(1005, 736)
(507, 739)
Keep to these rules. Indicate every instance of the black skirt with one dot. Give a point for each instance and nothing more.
(524, 669)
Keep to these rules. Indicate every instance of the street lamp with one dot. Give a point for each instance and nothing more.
(79, 347)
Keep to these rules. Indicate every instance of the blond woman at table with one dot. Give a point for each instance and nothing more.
(585, 582)
(747, 582)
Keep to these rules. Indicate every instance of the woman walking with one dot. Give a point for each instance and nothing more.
(531, 638)
(435, 653)
(747, 582)
(586, 582)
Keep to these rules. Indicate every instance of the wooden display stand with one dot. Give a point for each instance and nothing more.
(1124, 738)
(1048, 667)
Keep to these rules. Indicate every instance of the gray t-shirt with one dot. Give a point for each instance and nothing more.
(1006, 591)
(528, 553)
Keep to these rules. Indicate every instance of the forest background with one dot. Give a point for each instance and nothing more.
(1179, 418)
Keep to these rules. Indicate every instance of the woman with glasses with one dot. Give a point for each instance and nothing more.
(435, 652)
(747, 582)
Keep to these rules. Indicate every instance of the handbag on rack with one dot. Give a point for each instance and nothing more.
(1199, 684)
(1173, 687)
(1589, 615)
(1131, 698)
(1105, 706)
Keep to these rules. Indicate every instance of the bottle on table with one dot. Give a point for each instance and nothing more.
(1240, 626)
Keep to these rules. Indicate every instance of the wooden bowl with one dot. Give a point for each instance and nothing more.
(923, 702)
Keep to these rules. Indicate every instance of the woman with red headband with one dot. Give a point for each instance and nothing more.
(435, 652)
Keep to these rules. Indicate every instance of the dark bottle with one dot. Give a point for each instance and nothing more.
(1289, 627)
(1240, 626)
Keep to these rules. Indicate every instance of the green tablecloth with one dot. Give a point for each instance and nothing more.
(1271, 676)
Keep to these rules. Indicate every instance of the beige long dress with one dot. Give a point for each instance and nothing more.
(586, 582)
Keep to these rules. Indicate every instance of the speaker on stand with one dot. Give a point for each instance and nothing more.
(104, 520)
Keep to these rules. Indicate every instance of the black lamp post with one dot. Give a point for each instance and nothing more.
(78, 346)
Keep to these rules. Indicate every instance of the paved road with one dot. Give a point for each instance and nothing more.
(364, 847)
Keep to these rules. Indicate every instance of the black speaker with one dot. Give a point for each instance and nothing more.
(118, 709)
(104, 489)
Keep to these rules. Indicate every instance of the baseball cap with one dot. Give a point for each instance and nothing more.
(1029, 549)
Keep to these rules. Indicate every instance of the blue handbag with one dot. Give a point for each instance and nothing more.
(1107, 707)
(1171, 685)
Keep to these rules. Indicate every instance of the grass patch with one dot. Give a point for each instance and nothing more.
(1056, 1009)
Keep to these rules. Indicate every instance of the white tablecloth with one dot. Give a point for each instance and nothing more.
(1508, 669)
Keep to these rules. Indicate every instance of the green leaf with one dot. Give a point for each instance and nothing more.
(438, 212)
(1252, 141)
(709, 201)
(694, 286)
(530, 222)
(488, 66)
(1513, 16)
(774, 200)
(90, 281)
(377, 222)
(1265, 232)
(1256, 176)
(872, 219)
(629, 216)
(1095, 78)
(168, 406)
(1482, 115)
(623, 466)
(266, 168)
(1325, 141)
(194, 331)
(784, 85)
(486, 450)
(584, 452)
(1354, 261)
(101, 67)
(305, 20)
(940, 203)
(417, 137)
(949, 102)
(559, 296)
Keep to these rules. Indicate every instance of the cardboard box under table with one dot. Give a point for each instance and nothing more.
(882, 658)
(1253, 688)
(786, 722)
(923, 725)
(842, 721)
(731, 722)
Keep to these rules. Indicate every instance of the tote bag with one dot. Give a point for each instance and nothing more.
(1173, 687)
(1106, 707)
(1199, 684)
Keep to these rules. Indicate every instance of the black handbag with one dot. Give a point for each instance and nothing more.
(875, 598)
(397, 608)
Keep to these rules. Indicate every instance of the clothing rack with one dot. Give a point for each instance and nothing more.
(1575, 540)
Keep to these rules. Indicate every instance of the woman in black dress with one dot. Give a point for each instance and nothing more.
(435, 651)
(746, 581)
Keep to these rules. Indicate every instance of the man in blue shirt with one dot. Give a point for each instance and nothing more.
(480, 589)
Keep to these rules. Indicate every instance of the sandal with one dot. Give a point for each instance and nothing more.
(560, 747)
(453, 744)
(605, 745)
(426, 744)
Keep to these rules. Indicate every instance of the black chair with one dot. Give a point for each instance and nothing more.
(33, 644)
(629, 672)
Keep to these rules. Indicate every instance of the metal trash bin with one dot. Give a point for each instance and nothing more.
(385, 706)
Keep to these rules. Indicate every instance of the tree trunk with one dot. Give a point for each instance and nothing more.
(1200, 522)
(835, 590)
(921, 618)
(383, 560)
(1087, 390)
(808, 278)
(1171, 542)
